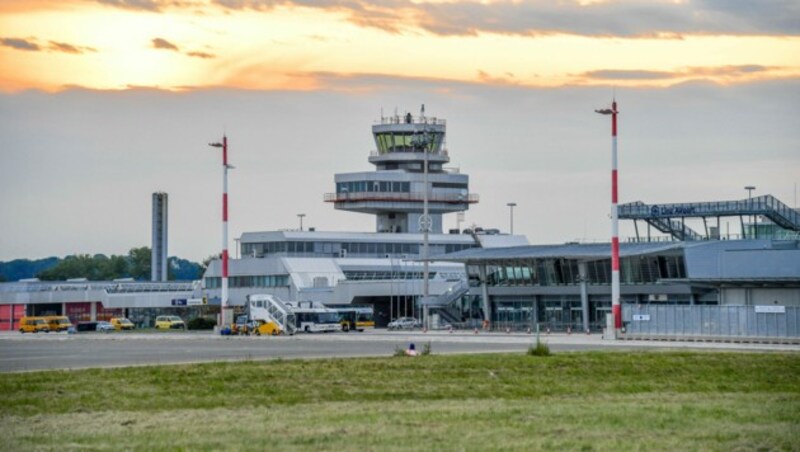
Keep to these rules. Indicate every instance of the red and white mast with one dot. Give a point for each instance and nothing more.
(225, 168)
(224, 301)
(615, 289)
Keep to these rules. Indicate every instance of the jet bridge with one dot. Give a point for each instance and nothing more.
(669, 218)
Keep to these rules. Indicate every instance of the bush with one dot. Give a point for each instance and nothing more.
(426, 349)
(540, 349)
(201, 323)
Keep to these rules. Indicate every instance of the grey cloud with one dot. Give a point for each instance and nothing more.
(20, 44)
(637, 18)
(710, 72)
(201, 55)
(69, 48)
(159, 43)
(611, 74)
(144, 5)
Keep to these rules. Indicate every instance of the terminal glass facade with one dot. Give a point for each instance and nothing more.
(559, 272)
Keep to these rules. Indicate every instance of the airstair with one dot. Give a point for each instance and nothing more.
(269, 308)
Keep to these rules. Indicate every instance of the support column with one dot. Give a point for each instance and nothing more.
(487, 307)
(93, 311)
(584, 294)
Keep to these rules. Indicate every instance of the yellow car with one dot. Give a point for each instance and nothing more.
(121, 323)
(58, 323)
(33, 325)
(169, 322)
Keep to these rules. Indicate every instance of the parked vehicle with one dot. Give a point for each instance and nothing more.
(121, 323)
(356, 318)
(317, 320)
(403, 323)
(104, 326)
(170, 322)
(33, 325)
(86, 326)
(58, 323)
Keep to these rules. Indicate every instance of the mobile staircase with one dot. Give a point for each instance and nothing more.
(268, 308)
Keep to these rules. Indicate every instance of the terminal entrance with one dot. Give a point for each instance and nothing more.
(45, 309)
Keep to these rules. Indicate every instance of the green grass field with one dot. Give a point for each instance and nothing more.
(587, 401)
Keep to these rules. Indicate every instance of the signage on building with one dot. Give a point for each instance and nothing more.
(179, 302)
(671, 211)
(641, 317)
(767, 309)
(194, 302)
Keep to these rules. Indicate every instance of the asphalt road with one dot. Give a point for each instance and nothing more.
(19, 353)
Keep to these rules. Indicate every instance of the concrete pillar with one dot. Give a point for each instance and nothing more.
(93, 311)
(582, 272)
(487, 307)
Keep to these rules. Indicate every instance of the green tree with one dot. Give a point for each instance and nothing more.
(76, 266)
(139, 262)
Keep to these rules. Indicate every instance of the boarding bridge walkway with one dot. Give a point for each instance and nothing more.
(662, 216)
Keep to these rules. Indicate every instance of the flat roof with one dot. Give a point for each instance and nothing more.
(327, 236)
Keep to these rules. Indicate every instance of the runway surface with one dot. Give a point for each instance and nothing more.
(19, 353)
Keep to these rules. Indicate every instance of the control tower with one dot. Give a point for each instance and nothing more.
(395, 191)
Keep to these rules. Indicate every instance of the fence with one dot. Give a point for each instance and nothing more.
(712, 321)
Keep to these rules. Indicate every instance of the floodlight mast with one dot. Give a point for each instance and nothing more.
(225, 168)
(616, 309)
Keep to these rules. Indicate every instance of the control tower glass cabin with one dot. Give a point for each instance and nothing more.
(395, 191)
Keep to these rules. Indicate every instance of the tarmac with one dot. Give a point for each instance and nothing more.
(32, 352)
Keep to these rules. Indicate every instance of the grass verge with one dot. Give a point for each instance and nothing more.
(658, 401)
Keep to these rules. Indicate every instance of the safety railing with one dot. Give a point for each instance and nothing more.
(766, 205)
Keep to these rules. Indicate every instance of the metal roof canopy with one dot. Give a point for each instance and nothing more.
(588, 252)
(662, 216)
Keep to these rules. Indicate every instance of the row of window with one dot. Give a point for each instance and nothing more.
(408, 141)
(549, 272)
(373, 186)
(339, 249)
(249, 281)
(384, 276)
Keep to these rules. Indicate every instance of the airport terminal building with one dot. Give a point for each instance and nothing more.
(475, 275)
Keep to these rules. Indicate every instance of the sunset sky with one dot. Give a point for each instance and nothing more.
(103, 102)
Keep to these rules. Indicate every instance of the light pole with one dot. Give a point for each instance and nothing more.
(511, 206)
(615, 289)
(300, 216)
(750, 189)
(225, 167)
(425, 220)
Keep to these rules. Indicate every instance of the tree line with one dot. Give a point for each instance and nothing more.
(99, 267)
